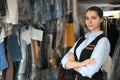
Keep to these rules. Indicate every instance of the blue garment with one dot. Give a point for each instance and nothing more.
(13, 45)
(3, 60)
(24, 7)
(44, 11)
(32, 3)
(100, 53)
(49, 10)
(56, 9)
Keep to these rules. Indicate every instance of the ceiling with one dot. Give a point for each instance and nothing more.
(106, 5)
(101, 2)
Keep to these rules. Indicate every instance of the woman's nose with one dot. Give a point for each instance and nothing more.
(89, 21)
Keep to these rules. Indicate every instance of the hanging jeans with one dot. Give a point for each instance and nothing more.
(13, 45)
(3, 61)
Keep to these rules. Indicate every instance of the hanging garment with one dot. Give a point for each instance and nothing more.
(67, 41)
(8, 73)
(116, 62)
(24, 10)
(1, 74)
(50, 10)
(59, 31)
(23, 71)
(52, 38)
(44, 11)
(51, 71)
(13, 45)
(107, 68)
(35, 50)
(38, 61)
(36, 11)
(112, 34)
(2, 33)
(68, 38)
(2, 7)
(59, 8)
(3, 60)
(32, 4)
(12, 12)
(37, 38)
(56, 9)
(68, 34)
(44, 49)
(48, 50)
(52, 54)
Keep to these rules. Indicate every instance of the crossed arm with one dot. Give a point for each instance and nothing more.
(72, 64)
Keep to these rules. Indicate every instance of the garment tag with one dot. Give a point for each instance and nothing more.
(37, 34)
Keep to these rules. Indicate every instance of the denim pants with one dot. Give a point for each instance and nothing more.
(13, 45)
(3, 60)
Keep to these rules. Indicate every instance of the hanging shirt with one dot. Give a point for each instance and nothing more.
(100, 53)
(12, 12)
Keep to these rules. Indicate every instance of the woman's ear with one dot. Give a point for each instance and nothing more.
(102, 19)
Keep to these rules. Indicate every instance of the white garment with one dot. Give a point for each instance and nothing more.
(108, 67)
(12, 12)
(26, 36)
(2, 35)
(0, 74)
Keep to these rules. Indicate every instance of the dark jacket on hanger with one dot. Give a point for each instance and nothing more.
(2, 7)
(116, 61)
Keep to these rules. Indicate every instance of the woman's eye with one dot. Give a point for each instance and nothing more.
(93, 18)
(86, 18)
(90, 18)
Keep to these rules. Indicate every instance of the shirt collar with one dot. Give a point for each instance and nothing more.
(93, 34)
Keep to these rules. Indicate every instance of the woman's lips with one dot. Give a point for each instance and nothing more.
(90, 25)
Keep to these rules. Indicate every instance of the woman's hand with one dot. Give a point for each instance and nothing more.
(71, 56)
(84, 63)
(89, 61)
(71, 62)
(76, 64)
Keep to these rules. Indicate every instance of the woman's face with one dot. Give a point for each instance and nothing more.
(93, 21)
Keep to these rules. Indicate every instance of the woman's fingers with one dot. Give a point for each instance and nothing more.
(89, 61)
(71, 56)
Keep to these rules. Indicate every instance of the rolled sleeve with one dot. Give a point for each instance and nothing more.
(65, 58)
(64, 61)
(100, 53)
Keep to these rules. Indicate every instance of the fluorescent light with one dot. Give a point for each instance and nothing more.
(112, 14)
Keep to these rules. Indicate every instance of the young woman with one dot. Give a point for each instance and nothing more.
(91, 53)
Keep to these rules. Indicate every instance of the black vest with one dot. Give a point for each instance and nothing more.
(86, 53)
